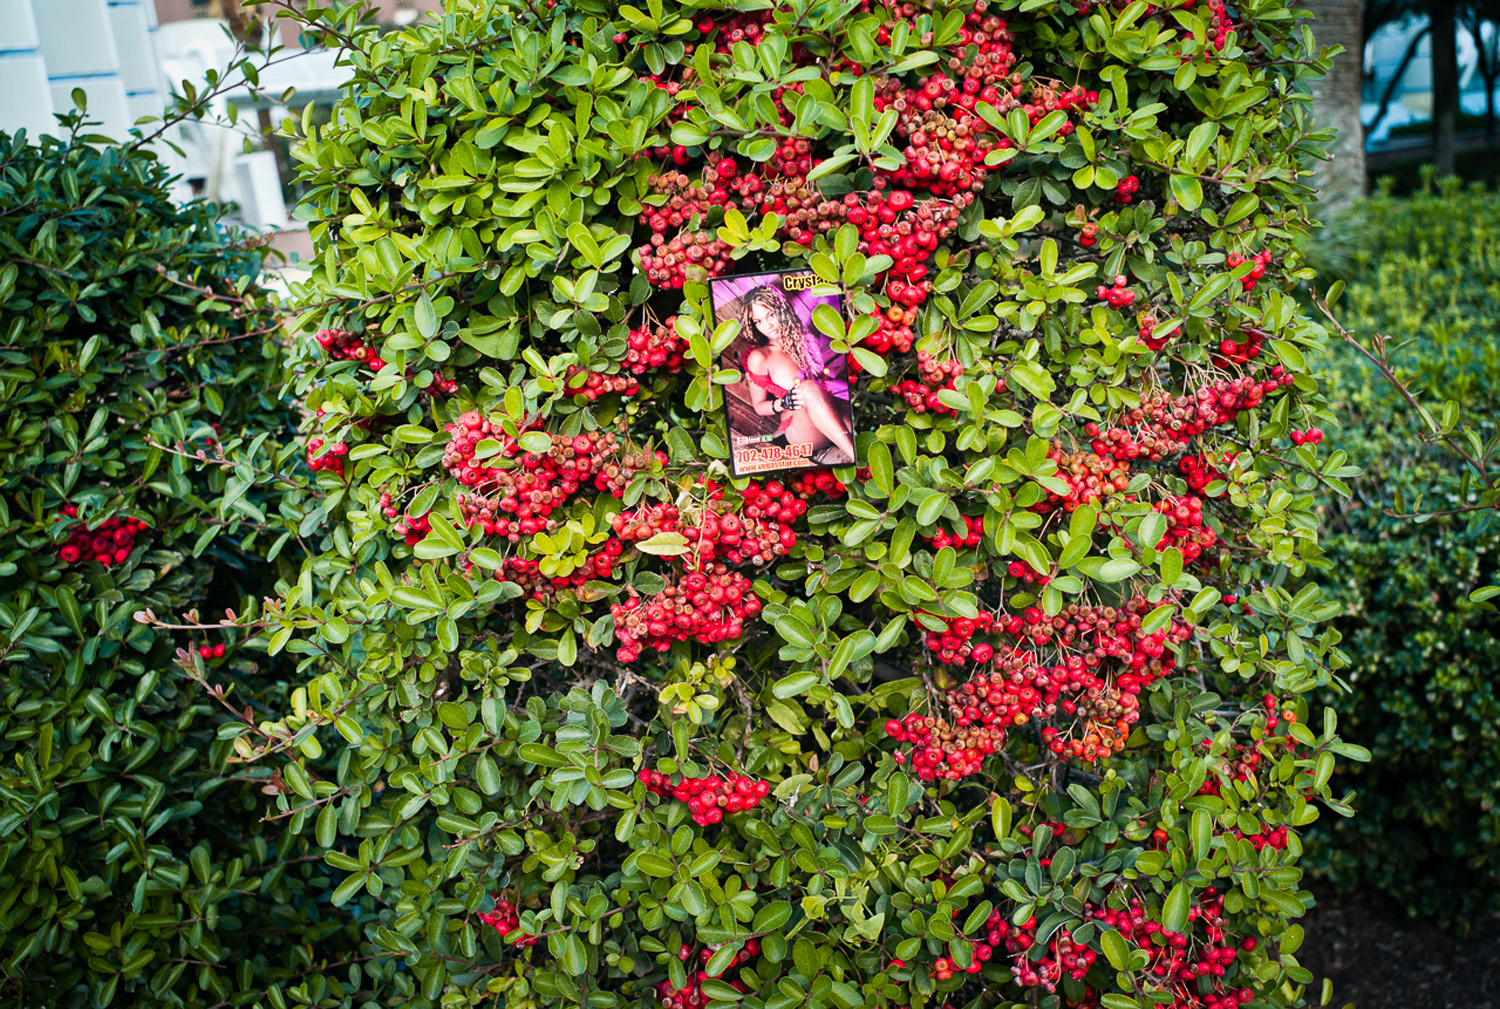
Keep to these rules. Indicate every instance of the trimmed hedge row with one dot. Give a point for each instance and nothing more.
(1426, 701)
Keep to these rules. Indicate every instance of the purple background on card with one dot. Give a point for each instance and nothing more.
(727, 289)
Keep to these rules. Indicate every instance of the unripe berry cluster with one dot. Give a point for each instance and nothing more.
(709, 799)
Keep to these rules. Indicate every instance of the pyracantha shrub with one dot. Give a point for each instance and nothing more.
(136, 352)
(1417, 537)
(1003, 682)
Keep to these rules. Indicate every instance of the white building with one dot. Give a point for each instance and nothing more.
(105, 47)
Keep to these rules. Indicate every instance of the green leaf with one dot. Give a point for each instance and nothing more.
(1033, 379)
(794, 684)
(771, 917)
(425, 317)
(1174, 910)
(1116, 950)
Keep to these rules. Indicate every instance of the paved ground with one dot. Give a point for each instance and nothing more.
(1379, 960)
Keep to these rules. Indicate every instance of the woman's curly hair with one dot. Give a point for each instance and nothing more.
(776, 302)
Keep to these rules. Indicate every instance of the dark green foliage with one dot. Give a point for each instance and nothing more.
(1425, 272)
(134, 864)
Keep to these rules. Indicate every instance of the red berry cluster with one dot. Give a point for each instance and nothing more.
(809, 483)
(1261, 259)
(520, 497)
(921, 394)
(342, 345)
(1219, 25)
(980, 953)
(710, 602)
(1105, 714)
(1116, 293)
(1201, 470)
(1024, 572)
(1185, 529)
(412, 528)
(940, 751)
(709, 799)
(909, 231)
(332, 459)
(1241, 768)
(893, 333)
(690, 995)
(710, 606)
(1146, 324)
(590, 385)
(972, 536)
(1149, 443)
(674, 200)
(1126, 189)
(1193, 970)
(1099, 699)
(526, 573)
(1168, 422)
(1090, 476)
(1089, 234)
(1064, 955)
(506, 919)
(1312, 436)
(713, 532)
(655, 346)
(955, 645)
(1241, 351)
(670, 262)
(211, 651)
(110, 542)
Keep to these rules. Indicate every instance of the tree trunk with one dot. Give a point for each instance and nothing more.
(1444, 83)
(1336, 101)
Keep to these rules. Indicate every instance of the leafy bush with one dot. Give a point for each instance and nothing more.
(136, 349)
(1009, 714)
(1423, 272)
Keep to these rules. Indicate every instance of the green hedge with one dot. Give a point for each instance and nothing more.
(136, 347)
(1426, 698)
(1021, 765)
